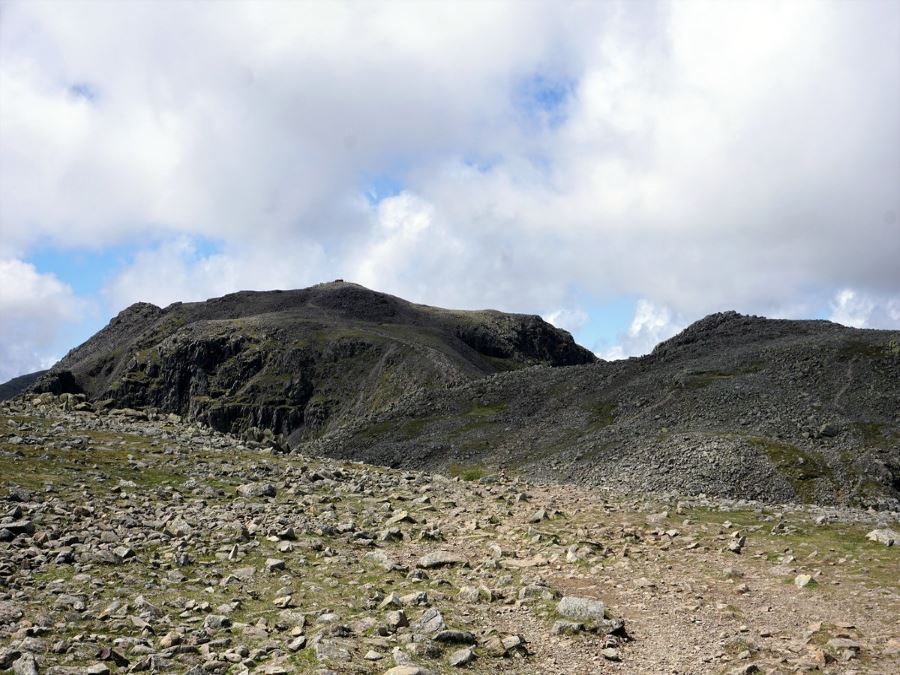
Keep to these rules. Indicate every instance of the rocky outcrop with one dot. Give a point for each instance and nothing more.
(297, 362)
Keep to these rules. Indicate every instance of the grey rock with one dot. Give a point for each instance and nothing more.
(563, 627)
(441, 559)
(19, 526)
(587, 609)
(329, 650)
(256, 490)
(216, 621)
(884, 536)
(274, 565)
(461, 657)
(25, 665)
(429, 622)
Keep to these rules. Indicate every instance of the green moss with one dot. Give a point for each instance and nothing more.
(703, 379)
(878, 434)
(407, 429)
(305, 660)
(467, 471)
(487, 410)
(801, 467)
(504, 365)
(856, 348)
(603, 413)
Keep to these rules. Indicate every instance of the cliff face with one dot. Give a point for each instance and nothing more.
(298, 361)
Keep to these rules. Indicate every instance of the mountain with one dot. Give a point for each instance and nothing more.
(297, 362)
(734, 406)
(17, 385)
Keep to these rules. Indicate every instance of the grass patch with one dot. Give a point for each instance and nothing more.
(603, 413)
(699, 380)
(482, 411)
(407, 430)
(877, 434)
(467, 471)
(852, 349)
(801, 467)
(504, 365)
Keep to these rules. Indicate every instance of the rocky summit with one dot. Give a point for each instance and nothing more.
(297, 363)
(139, 541)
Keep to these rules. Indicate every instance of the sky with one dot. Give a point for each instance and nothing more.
(620, 168)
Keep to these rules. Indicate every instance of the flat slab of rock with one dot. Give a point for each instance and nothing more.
(19, 527)
(587, 609)
(440, 559)
(406, 670)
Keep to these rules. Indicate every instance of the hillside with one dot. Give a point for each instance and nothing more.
(733, 406)
(17, 385)
(297, 362)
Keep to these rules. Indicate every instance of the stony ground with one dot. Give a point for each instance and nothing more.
(135, 544)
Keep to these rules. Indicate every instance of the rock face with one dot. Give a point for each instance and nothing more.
(297, 362)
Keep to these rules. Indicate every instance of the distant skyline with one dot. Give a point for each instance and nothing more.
(621, 168)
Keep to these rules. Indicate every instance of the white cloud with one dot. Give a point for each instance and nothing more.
(568, 319)
(177, 271)
(706, 156)
(860, 310)
(34, 308)
(850, 309)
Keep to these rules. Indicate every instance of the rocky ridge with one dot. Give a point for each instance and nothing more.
(734, 406)
(297, 362)
(133, 541)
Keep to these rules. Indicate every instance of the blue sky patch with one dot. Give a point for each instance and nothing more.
(543, 98)
(85, 270)
(88, 271)
(381, 186)
(608, 320)
(84, 91)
